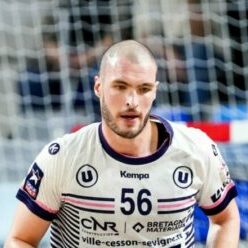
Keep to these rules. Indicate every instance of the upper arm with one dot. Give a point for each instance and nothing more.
(39, 196)
(229, 214)
(224, 227)
(27, 227)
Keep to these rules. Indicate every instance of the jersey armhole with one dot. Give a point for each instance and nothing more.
(217, 208)
(34, 207)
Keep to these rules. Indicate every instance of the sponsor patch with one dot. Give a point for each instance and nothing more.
(32, 181)
(183, 177)
(138, 227)
(91, 225)
(140, 176)
(217, 195)
(214, 150)
(86, 176)
(224, 173)
(54, 148)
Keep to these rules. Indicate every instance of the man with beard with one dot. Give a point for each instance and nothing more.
(131, 180)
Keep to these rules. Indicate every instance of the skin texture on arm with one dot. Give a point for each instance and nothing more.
(224, 228)
(27, 229)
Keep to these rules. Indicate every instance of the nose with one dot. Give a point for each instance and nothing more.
(132, 99)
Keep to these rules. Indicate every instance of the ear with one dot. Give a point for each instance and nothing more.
(157, 84)
(156, 89)
(97, 86)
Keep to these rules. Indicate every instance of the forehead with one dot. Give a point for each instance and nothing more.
(127, 70)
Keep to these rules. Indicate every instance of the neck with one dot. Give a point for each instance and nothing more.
(132, 147)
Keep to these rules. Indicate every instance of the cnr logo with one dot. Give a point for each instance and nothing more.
(92, 224)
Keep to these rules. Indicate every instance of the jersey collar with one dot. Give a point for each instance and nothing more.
(139, 160)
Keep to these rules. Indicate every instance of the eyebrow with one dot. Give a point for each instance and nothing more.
(119, 81)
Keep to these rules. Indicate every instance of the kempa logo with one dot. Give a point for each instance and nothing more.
(139, 176)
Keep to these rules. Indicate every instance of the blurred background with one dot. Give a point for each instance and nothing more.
(50, 52)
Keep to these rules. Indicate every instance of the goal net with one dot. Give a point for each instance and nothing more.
(50, 52)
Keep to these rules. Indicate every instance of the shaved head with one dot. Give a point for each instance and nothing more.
(130, 50)
(126, 86)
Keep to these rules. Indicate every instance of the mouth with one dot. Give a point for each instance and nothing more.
(130, 116)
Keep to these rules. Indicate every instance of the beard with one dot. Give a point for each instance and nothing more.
(109, 120)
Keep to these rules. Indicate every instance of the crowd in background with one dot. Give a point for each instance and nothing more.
(192, 66)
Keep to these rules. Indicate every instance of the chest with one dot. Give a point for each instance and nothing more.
(167, 187)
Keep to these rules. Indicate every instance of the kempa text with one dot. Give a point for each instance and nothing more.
(139, 176)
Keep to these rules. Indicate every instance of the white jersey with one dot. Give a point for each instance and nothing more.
(96, 197)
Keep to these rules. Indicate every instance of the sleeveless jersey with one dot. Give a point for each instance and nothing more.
(96, 197)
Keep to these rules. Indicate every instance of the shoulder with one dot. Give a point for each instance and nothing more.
(192, 139)
(180, 132)
(82, 135)
(189, 133)
(70, 144)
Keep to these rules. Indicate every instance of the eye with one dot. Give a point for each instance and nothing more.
(120, 87)
(144, 90)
